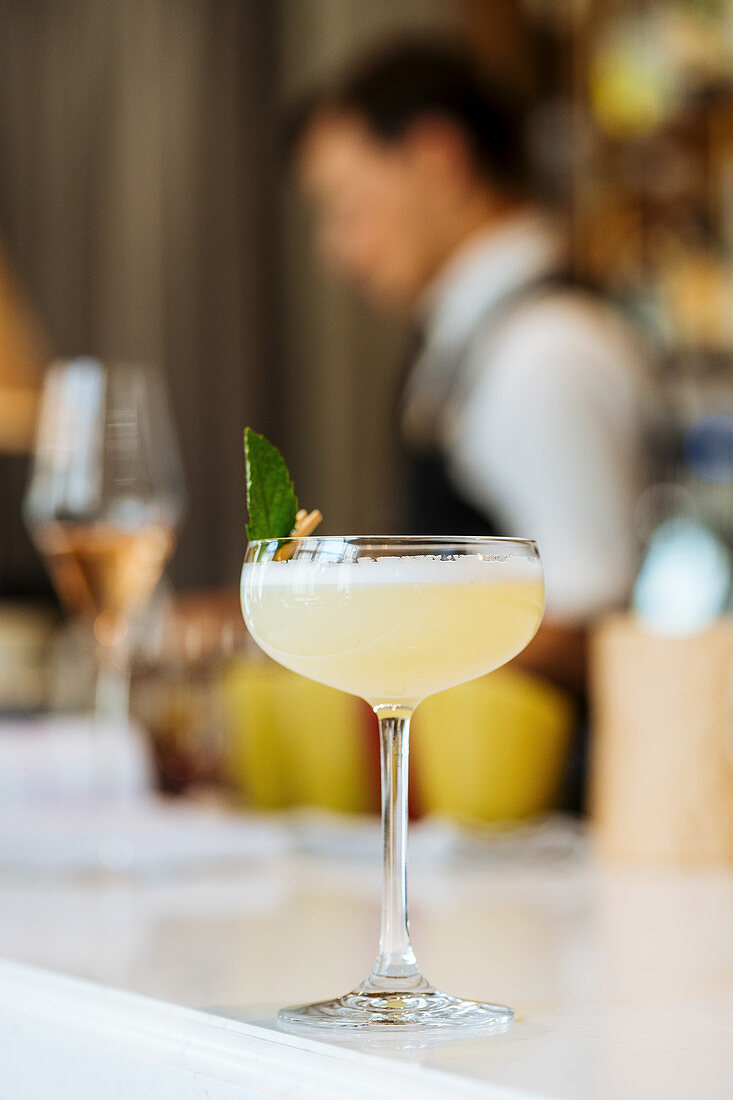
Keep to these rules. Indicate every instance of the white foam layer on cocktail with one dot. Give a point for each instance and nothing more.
(391, 570)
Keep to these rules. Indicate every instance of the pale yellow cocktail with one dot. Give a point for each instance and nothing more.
(395, 629)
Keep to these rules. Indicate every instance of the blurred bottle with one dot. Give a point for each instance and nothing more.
(177, 693)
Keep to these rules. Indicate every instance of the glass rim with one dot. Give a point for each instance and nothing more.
(437, 540)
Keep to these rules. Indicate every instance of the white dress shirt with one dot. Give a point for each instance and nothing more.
(543, 423)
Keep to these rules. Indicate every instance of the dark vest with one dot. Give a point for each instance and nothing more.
(435, 505)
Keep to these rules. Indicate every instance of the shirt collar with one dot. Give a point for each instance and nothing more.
(494, 262)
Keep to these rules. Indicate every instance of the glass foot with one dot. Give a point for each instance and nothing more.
(398, 1013)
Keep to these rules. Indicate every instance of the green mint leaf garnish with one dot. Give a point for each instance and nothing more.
(271, 500)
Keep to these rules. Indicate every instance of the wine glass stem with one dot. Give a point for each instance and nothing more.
(112, 693)
(395, 967)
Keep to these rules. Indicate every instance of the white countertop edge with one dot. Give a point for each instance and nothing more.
(72, 1038)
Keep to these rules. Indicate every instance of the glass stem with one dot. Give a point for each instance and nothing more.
(395, 968)
(112, 692)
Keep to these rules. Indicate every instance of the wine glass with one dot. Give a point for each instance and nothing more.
(103, 502)
(394, 620)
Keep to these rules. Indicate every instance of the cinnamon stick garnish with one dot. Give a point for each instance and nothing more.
(305, 524)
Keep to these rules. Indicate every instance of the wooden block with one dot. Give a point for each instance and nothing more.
(662, 760)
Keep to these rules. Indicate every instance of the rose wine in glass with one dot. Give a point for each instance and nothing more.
(103, 502)
(394, 620)
(105, 572)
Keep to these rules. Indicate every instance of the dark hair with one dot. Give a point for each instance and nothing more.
(401, 83)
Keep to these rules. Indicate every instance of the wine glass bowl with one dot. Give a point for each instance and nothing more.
(393, 619)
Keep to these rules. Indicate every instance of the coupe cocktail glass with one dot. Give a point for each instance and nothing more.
(394, 620)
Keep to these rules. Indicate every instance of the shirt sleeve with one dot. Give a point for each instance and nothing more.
(549, 436)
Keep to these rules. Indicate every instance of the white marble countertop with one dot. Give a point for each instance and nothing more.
(622, 980)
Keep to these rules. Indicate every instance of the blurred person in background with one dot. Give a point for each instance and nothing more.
(521, 413)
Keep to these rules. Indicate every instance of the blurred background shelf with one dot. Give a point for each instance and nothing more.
(145, 208)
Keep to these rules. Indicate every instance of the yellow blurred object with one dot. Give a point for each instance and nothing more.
(493, 749)
(26, 635)
(22, 357)
(696, 284)
(293, 742)
(633, 86)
